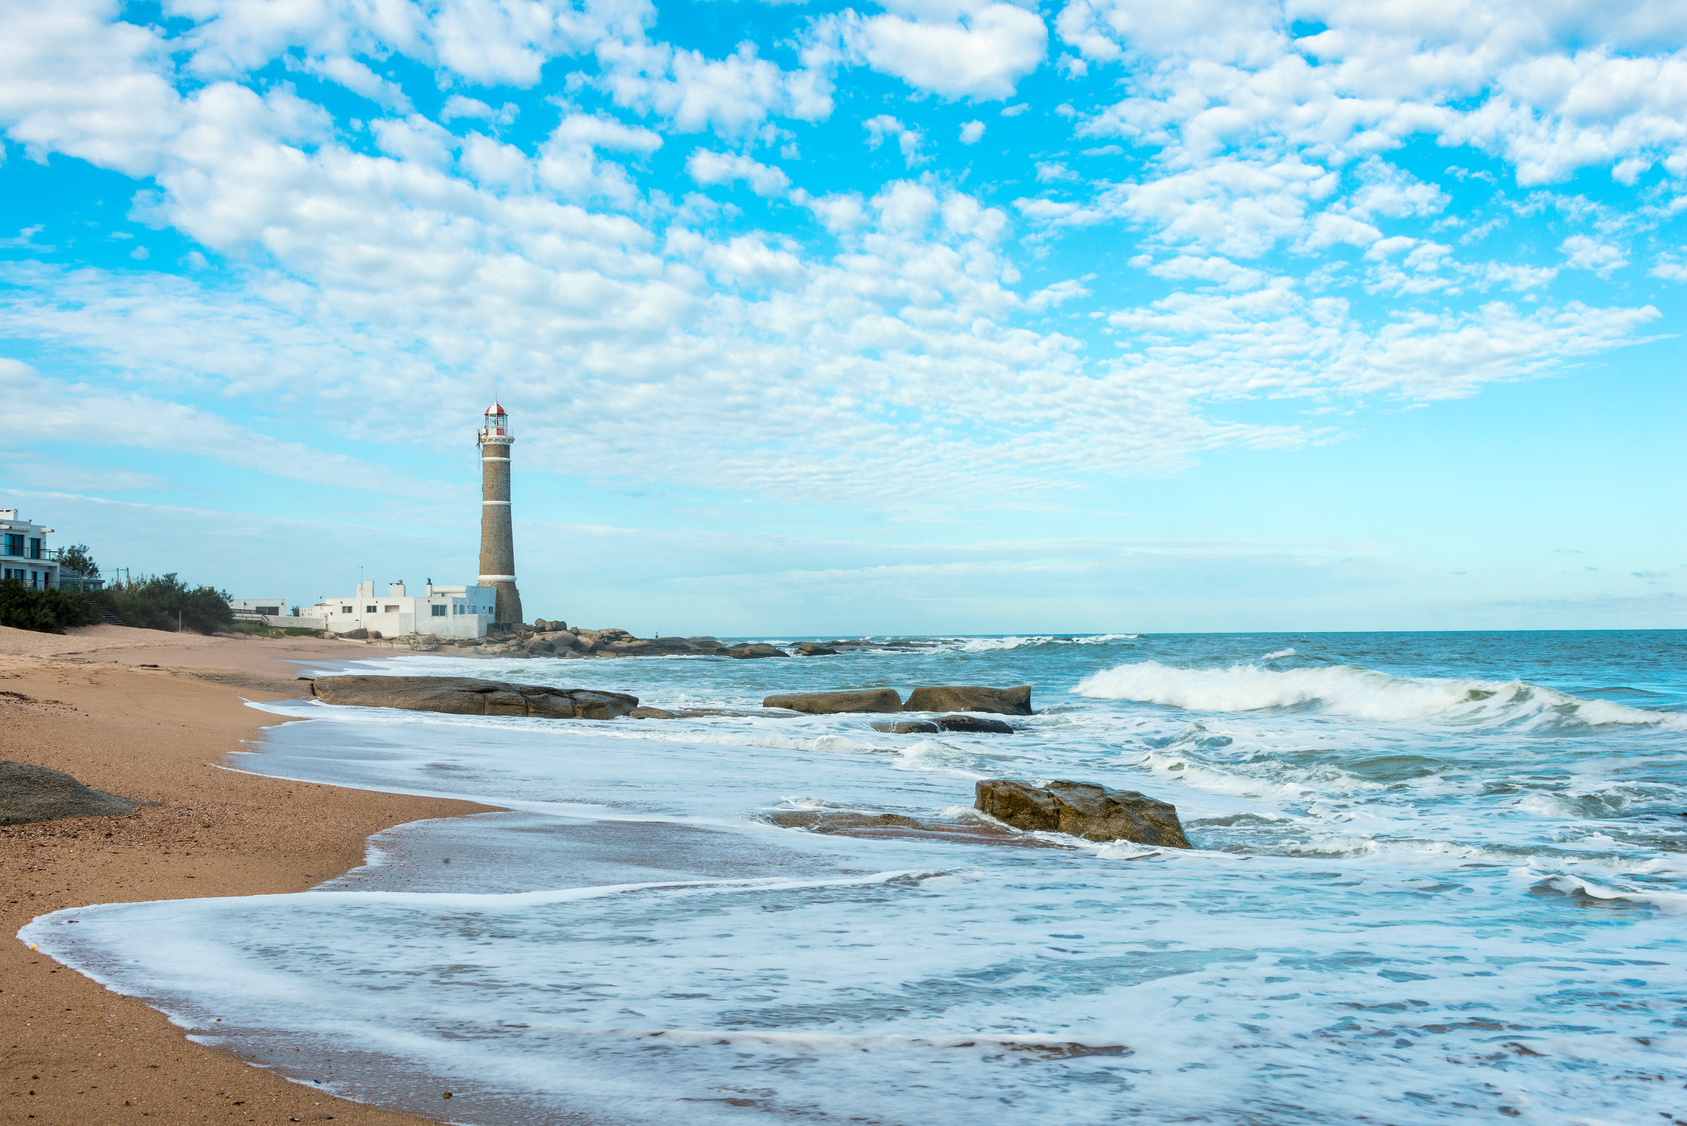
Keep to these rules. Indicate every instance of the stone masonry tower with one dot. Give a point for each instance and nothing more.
(497, 538)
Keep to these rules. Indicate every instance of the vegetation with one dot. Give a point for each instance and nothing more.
(76, 558)
(165, 602)
(45, 611)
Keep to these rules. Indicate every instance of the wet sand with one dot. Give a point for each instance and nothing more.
(72, 1053)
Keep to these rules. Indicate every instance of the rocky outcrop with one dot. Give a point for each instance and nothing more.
(971, 698)
(832, 703)
(1082, 809)
(815, 649)
(36, 793)
(973, 725)
(909, 727)
(748, 652)
(461, 695)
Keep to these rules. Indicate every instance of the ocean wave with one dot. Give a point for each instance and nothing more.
(1279, 653)
(994, 644)
(1348, 690)
(1596, 895)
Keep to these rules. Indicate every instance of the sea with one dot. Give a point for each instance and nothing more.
(1437, 878)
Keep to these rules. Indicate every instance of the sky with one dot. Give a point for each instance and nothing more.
(963, 316)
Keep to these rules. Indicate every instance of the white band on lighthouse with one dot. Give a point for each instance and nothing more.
(494, 502)
(497, 578)
(494, 459)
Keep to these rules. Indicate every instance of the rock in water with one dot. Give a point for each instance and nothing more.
(462, 695)
(36, 793)
(909, 727)
(829, 703)
(749, 652)
(971, 698)
(976, 725)
(1083, 809)
(815, 649)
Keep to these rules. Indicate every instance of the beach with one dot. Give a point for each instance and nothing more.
(73, 1052)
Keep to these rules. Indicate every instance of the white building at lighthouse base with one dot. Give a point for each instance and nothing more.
(442, 611)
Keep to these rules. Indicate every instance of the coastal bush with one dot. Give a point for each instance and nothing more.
(45, 611)
(165, 602)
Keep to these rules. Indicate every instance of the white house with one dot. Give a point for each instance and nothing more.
(259, 608)
(443, 611)
(24, 555)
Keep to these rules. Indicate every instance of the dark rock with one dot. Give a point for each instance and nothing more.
(374, 635)
(541, 645)
(814, 649)
(36, 793)
(908, 727)
(461, 695)
(1082, 809)
(750, 652)
(830, 703)
(644, 711)
(356, 634)
(647, 646)
(561, 640)
(971, 698)
(843, 821)
(973, 724)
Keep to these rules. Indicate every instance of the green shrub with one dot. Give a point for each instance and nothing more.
(45, 611)
(163, 601)
(299, 631)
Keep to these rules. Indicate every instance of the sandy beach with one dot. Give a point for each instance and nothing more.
(74, 1053)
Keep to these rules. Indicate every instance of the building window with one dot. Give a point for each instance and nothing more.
(14, 544)
(34, 549)
(438, 611)
(345, 609)
(269, 611)
(368, 609)
(392, 609)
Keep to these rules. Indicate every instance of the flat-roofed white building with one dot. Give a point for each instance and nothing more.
(24, 554)
(259, 607)
(441, 611)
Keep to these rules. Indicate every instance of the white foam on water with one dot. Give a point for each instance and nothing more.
(1278, 654)
(1360, 693)
(1403, 903)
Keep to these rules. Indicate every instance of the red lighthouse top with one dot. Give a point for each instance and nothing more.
(497, 426)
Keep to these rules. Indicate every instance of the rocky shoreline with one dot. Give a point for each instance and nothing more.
(556, 640)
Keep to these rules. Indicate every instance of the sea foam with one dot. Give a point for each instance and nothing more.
(1360, 693)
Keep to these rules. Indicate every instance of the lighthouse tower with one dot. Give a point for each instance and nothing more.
(497, 539)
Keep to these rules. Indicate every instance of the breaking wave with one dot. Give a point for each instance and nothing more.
(1348, 690)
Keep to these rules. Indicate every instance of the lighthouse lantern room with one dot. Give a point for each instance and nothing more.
(496, 427)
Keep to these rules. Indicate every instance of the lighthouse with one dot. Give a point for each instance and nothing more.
(497, 538)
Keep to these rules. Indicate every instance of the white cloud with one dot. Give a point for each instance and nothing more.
(908, 140)
(972, 132)
(1213, 269)
(605, 133)
(1055, 294)
(733, 96)
(979, 50)
(709, 167)
(1670, 268)
(1584, 253)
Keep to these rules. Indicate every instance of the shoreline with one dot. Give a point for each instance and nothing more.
(74, 1052)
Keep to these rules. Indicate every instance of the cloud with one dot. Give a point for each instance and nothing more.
(979, 50)
(1055, 294)
(908, 140)
(1584, 253)
(708, 167)
(972, 132)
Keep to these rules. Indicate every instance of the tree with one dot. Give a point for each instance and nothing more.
(76, 558)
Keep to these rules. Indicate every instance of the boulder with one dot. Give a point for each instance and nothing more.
(541, 646)
(750, 652)
(356, 634)
(562, 640)
(647, 646)
(1082, 809)
(814, 649)
(831, 703)
(644, 711)
(972, 724)
(908, 727)
(36, 793)
(971, 698)
(462, 695)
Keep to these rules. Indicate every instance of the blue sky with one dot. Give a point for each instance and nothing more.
(924, 316)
